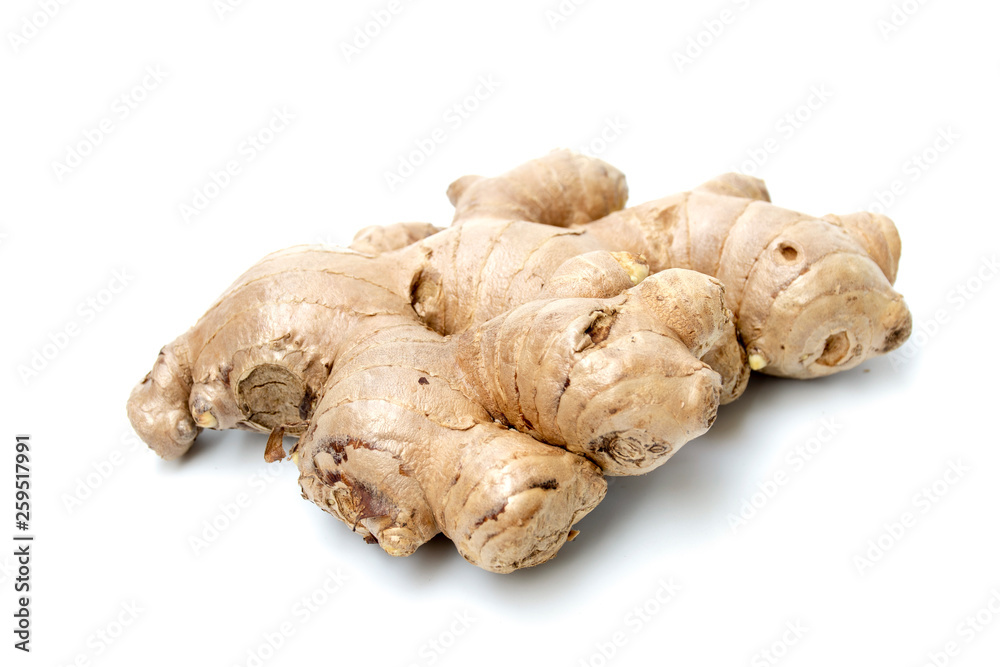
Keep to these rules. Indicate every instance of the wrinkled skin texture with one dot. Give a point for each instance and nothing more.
(811, 296)
(498, 435)
(479, 381)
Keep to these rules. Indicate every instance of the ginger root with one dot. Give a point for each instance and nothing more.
(497, 436)
(812, 296)
(480, 380)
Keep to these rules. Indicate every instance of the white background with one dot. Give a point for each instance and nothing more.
(901, 421)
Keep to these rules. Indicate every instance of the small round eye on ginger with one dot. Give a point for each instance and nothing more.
(598, 329)
(201, 409)
(206, 420)
(635, 265)
(836, 350)
(185, 430)
(788, 253)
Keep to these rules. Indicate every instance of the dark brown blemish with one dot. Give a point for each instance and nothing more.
(548, 485)
(564, 388)
(423, 380)
(492, 516)
(897, 336)
(306, 406)
(370, 502)
(602, 445)
(337, 447)
(331, 477)
(600, 328)
(611, 444)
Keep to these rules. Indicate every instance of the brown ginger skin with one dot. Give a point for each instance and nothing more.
(490, 260)
(377, 239)
(561, 190)
(811, 296)
(479, 380)
(261, 354)
(496, 436)
(487, 454)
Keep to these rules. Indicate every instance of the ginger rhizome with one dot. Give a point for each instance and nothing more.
(496, 436)
(482, 380)
(812, 296)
